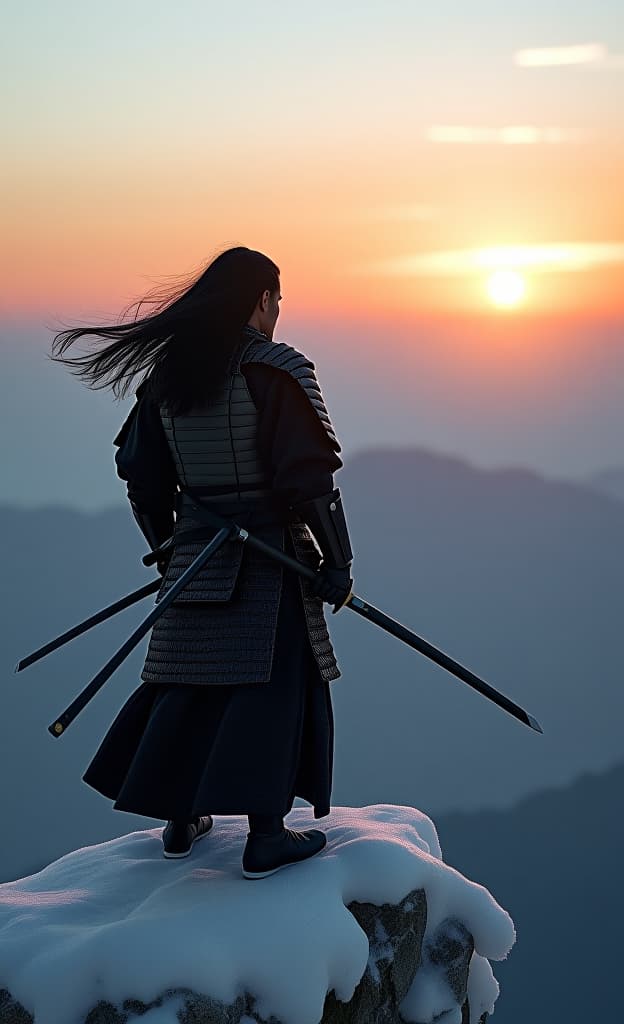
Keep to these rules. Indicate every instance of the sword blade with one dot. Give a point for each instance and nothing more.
(93, 620)
(379, 618)
(401, 632)
(60, 724)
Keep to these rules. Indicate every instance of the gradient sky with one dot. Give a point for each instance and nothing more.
(341, 138)
(405, 165)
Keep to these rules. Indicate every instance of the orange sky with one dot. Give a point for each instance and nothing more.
(95, 238)
(374, 186)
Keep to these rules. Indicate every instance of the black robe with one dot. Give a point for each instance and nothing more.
(174, 752)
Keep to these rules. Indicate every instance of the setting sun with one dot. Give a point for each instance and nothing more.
(506, 287)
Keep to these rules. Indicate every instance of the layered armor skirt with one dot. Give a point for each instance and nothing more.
(221, 627)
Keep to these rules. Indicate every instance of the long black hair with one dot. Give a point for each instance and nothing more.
(186, 344)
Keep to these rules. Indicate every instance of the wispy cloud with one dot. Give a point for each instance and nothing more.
(586, 55)
(557, 257)
(508, 135)
(397, 211)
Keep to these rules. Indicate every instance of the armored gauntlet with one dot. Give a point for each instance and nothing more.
(325, 517)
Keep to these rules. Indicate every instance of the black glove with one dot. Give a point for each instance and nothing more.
(333, 585)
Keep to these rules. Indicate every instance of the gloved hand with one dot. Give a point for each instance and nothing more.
(333, 585)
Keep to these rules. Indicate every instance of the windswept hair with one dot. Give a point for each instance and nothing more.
(186, 343)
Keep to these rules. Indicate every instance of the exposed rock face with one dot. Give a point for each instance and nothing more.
(395, 934)
(12, 1012)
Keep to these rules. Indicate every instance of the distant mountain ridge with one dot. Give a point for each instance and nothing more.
(554, 860)
(609, 481)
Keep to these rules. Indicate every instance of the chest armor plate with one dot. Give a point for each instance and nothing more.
(231, 639)
(216, 446)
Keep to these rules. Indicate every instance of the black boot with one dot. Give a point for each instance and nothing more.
(178, 836)
(276, 847)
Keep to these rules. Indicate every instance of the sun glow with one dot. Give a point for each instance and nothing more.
(506, 288)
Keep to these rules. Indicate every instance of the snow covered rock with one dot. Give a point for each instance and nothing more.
(373, 930)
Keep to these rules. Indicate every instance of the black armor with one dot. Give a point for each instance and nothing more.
(214, 449)
(325, 515)
(285, 357)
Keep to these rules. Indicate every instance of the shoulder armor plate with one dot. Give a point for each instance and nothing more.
(300, 368)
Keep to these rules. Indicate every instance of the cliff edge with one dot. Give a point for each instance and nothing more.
(375, 929)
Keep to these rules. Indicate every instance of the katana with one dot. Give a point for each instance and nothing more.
(227, 529)
(101, 616)
(93, 620)
(58, 727)
(372, 614)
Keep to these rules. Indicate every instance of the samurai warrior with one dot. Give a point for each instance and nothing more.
(234, 713)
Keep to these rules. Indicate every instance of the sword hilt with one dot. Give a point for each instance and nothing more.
(154, 556)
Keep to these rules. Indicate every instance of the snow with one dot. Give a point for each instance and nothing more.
(122, 921)
(167, 1014)
(483, 987)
